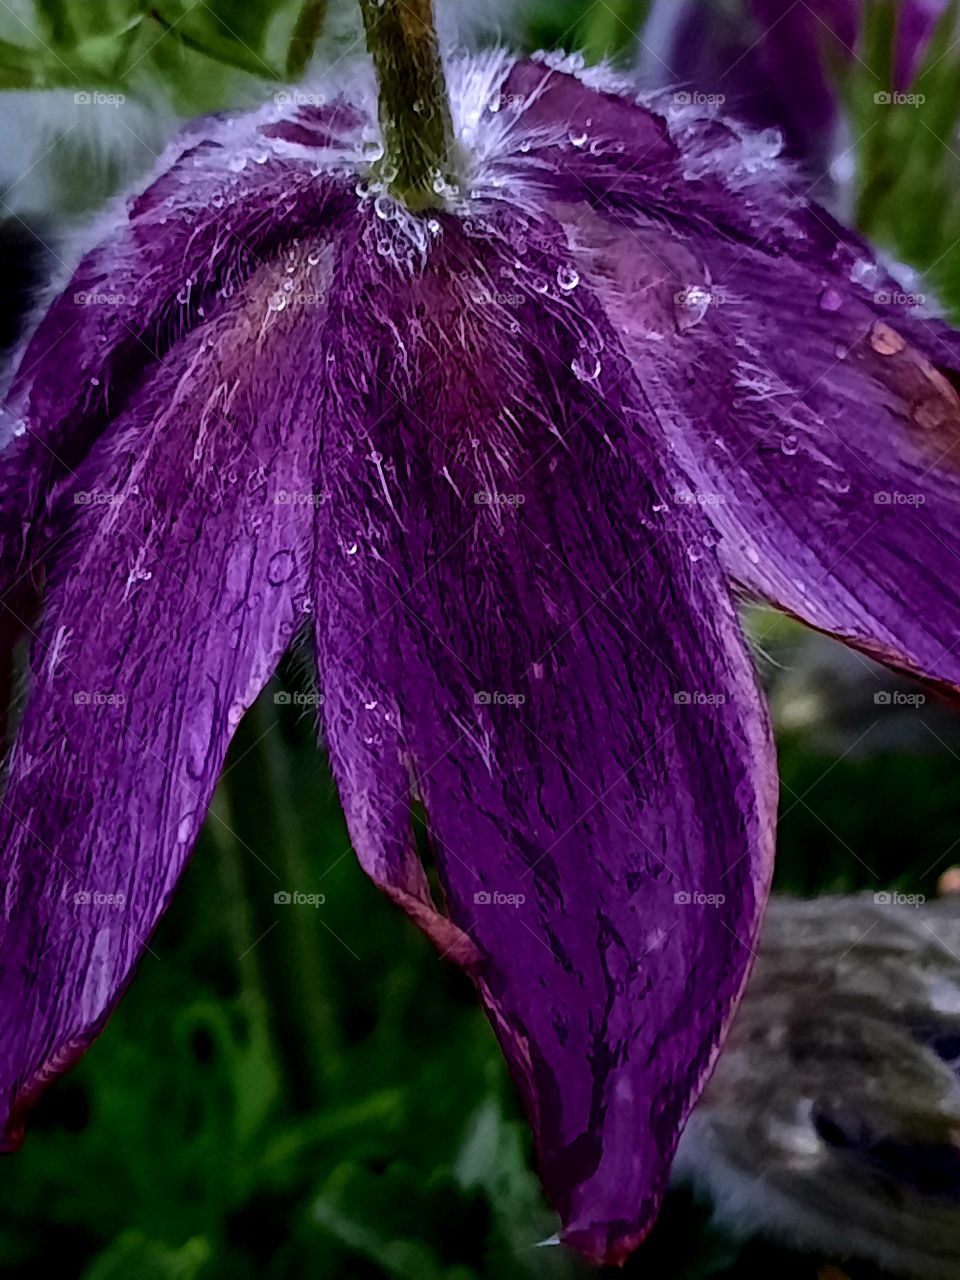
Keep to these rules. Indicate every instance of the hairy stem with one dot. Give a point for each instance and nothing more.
(418, 138)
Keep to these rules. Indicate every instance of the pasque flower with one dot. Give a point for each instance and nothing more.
(831, 1119)
(503, 419)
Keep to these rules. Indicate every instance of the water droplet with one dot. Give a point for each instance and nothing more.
(835, 484)
(577, 139)
(185, 829)
(280, 567)
(691, 305)
(789, 444)
(235, 714)
(370, 706)
(314, 256)
(352, 549)
(385, 208)
(694, 554)
(886, 341)
(433, 226)
(752, 554)
(277, 302)
(567, 279)
(586, 366)
(830, 300)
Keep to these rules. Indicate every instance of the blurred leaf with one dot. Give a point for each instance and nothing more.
(204, 32)
(134, 1255)
(610, 29)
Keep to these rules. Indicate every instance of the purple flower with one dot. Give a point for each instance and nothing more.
(508, 464)
(777, 62)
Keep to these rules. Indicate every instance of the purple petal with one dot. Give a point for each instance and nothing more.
(916, 22)
(561, 685)
(181, 579)
(811, 405)
(182, 249)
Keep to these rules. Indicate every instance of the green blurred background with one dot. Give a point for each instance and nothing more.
(308, 1091)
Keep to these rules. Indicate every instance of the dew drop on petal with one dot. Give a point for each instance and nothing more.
(567, 279)
(830, 300)
(586, 366)
(886, 341)
(280, 567)
(578, 139)
(789, 444)
(277, 302)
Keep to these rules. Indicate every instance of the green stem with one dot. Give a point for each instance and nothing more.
(305, 36)
(419, 143)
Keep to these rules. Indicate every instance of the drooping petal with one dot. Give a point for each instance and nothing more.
(810, 402)
(172, 258)
(182, 577)
(560, 685)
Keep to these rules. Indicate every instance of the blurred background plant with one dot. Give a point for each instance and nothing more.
(295, 1090)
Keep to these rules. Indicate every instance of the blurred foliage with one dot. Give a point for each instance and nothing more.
(294, 1091)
